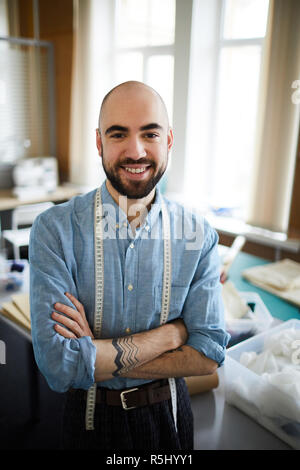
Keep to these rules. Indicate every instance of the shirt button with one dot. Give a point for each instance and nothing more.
(117, 225)
(147, 228)
(128, 330)
(131, 245)
(130, 287)
(124, 224)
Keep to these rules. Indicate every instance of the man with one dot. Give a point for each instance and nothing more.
(113, 303)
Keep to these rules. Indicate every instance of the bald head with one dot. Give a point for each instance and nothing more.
(134, 139)
(129, 94)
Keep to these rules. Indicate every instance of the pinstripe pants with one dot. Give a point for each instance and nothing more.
(145, 428)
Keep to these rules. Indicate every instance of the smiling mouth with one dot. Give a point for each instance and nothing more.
(136, 169)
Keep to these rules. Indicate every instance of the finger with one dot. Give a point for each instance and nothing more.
(76, 302)
(71, 312)
(72, 325)
(63, 332)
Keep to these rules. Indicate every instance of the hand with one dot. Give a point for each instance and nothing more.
(75, 321)
(179, 333)
(223, 277)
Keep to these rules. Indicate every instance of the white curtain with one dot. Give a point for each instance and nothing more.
(278, 119)
(92, 78)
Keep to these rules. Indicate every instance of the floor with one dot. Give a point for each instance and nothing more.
(17, 430)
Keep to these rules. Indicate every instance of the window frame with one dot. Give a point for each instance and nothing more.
(146, 51)
(221, 45)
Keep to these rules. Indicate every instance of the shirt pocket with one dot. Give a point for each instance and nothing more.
(178, 296)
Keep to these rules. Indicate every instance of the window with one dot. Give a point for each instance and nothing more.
(27, 115)
(221, 170)
(27, 123)
(144, 45)
(240, 47)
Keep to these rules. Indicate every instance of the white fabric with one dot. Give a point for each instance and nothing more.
(265, 400)
(281, 278)
(278, 366)
(270, 391)
(283, 275)
(235, 305)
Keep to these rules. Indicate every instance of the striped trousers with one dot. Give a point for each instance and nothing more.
(145, 428)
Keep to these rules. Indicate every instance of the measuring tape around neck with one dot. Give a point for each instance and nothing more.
(99, 294)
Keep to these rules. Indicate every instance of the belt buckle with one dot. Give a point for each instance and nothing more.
(123, 399)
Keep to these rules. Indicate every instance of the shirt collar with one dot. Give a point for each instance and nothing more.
(117, 218)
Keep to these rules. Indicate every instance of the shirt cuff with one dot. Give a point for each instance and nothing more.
(86, 364)
(208, 347)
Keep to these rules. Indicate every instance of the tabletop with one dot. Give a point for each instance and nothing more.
(277, 307)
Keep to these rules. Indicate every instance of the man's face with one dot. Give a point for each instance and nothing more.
(135, 141)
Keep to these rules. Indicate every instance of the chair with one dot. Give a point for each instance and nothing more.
(22, 216)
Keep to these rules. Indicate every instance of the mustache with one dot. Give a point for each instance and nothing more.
(141, 161)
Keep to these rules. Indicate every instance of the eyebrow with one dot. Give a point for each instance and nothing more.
(147, 127)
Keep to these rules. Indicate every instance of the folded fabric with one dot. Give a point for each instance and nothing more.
(277, 395)
(235, 305)
(288, 381)
(265, 400)
(21, 301)
(9, 310)
(277, 363)
(281, 278)
(18, 310)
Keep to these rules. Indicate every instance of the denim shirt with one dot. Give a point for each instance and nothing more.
(62, 259)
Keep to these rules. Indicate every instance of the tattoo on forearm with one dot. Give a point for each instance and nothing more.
(126, 358)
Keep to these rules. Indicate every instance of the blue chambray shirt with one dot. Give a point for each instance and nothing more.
(62, 259)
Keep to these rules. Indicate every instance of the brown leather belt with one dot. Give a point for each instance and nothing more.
(135, 397)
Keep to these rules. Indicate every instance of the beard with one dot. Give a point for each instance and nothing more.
(134, 189)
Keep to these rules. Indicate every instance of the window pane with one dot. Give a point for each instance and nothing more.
(235, 125)
(128, 66)
(145, 22)
(24, 102)
(245, 18)
(162, 22)
(160, 72)
(3, 18)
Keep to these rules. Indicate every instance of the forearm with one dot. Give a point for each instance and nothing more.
(182, 362)
(120, 356)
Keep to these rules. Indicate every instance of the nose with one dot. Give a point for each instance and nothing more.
(135, 148)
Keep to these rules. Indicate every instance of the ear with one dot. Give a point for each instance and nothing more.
(99, 142)
(170, 139)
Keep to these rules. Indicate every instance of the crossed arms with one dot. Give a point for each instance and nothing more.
(153, 354)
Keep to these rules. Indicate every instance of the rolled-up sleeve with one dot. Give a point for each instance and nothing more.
(65, 363)
(203, 310)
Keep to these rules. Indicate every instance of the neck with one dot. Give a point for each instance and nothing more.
(134, 208)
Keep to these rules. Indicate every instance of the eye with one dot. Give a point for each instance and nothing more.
(151, 135)
(117, 135)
